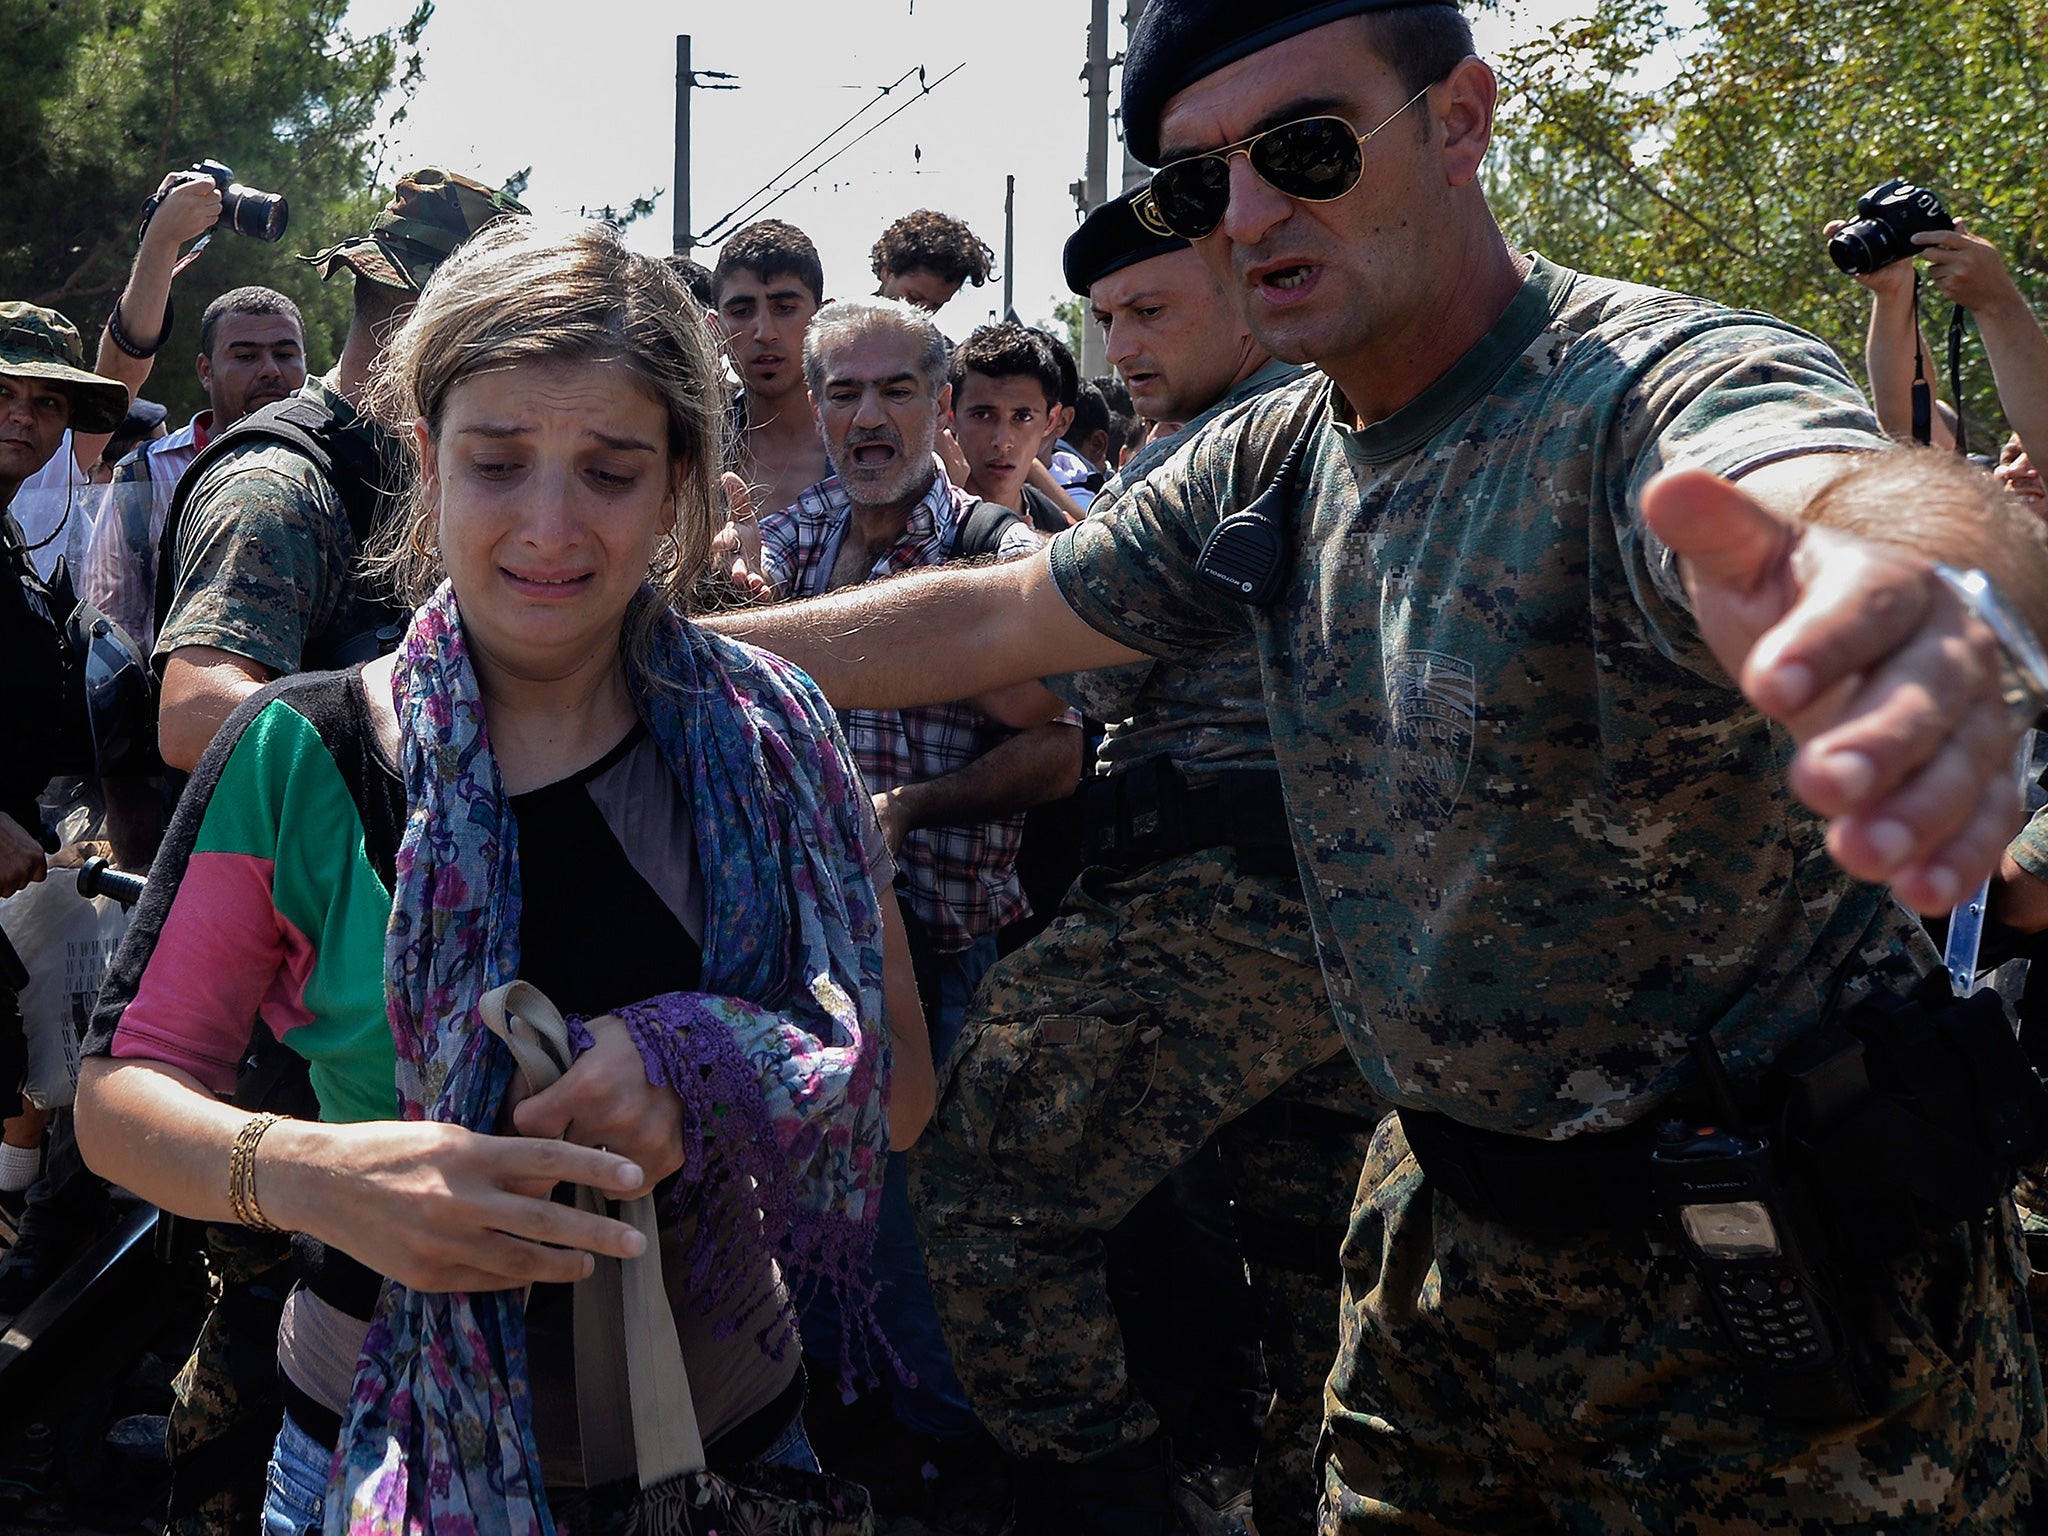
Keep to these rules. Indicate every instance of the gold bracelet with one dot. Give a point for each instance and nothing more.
(242, 1174)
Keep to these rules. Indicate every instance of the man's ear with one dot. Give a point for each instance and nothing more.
(945, 399)
(205, 367)
(1061, 417)
(1464, 101)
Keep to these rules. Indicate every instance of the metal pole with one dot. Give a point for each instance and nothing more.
(1095, 178)
(1010, 248)
(685, 79)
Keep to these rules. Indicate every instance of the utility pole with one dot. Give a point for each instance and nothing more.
(1093, 191)
(1010, 249)
(681, 240)
(687, 80)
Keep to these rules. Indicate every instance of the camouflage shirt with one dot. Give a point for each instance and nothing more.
(265, 554)
(2030, 849)
(1207, 713)
(1543, 838)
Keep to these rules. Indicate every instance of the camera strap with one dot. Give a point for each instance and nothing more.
(1923, 396)
(1923, 393)
(1955, 373)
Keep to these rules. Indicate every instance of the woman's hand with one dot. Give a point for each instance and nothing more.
(440, 1208)
(605, 1100)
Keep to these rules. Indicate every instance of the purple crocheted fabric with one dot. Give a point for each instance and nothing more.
(737, 1161)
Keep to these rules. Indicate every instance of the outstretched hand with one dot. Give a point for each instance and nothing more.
(1887, 683)
(736, 547)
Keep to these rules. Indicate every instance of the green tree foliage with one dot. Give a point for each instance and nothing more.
(99, 98)
(1718, 178)
(1069, 316)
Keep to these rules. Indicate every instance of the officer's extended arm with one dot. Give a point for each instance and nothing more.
(930, 637)
(1812, 582)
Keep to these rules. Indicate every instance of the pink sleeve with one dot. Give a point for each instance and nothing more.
(224, 956)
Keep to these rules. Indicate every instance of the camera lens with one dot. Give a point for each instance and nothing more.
(1862, 247)
(260, 215)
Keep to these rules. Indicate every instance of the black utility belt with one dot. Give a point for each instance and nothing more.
(1583, 1183)
(1904, 1117)
(1153, 811)
(1915, 1110)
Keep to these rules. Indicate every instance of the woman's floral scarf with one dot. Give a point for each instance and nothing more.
(780, 1061)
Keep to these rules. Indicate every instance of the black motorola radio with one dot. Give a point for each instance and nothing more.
(1720, 1190)
(1246, 555)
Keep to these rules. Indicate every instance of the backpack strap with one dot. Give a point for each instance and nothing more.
(306, 426)
(981, 531)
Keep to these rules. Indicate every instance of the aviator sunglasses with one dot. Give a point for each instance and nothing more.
(1312, 159)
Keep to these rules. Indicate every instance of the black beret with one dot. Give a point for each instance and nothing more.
(143, 416)
(1177, 42)
(1121, 233)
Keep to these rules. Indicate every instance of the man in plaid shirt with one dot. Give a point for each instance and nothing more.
(950, 783)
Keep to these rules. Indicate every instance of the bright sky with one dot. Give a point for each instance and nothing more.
(585, 94)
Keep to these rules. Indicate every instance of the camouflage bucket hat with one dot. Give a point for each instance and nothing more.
(432, 211)
(37, 343)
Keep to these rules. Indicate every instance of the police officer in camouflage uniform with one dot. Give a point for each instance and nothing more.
(1611, 676)
(1175, 995)
(259, 578)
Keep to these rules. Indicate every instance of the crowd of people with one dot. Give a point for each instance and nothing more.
(1338, 929)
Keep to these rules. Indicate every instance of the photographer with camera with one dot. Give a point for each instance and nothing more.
(53, 506)
(1900, 222)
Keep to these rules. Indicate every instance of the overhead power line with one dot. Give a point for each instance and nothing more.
(924, 89)
(739, 212)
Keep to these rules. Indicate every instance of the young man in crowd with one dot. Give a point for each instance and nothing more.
(1126, 430)
(924, 257)
(950, 785)
(252, 353)
(768, 283)
(1090, 434)
(1005, 389)
(1068, 477)
(1615, 667)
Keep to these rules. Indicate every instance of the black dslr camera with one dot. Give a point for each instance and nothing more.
(245, 210)
(1888, 217)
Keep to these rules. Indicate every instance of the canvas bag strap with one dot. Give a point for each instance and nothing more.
(632, 1390)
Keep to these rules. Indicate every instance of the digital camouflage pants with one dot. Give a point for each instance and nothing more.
(227, 1406)
(1154, 1011)
(1494, 1380)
